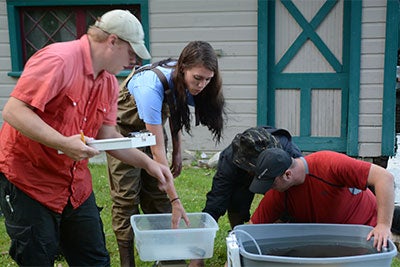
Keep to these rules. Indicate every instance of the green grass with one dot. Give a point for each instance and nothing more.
(192, 186)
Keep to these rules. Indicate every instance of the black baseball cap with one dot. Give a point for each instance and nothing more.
(271, 163)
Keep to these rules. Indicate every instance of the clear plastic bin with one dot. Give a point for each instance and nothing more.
(155, 240)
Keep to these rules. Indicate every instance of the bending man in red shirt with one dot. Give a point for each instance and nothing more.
(324, 187)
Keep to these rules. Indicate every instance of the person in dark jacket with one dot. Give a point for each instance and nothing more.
(230, 188)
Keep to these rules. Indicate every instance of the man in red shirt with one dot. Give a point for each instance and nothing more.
(324, 187)
(67, 89)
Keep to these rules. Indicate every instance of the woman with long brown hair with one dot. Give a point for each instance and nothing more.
(149, 97)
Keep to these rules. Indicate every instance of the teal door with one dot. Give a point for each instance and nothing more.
(304, 71)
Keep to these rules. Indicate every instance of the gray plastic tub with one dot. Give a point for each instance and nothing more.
(303, 245)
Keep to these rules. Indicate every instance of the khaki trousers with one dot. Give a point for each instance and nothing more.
(132, 189)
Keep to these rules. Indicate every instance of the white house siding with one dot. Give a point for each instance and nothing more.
(230, 26)
(6, 83)
(371, 78)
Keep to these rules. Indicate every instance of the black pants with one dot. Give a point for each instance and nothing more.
(240, 204)
(37, 234)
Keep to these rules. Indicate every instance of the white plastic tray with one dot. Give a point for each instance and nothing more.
(140, 140)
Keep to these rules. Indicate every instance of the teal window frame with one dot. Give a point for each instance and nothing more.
(14, 25)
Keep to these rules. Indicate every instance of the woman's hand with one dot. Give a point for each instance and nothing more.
(176, 165)
(178, 213)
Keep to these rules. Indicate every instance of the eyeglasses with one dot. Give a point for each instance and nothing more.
(131, 52)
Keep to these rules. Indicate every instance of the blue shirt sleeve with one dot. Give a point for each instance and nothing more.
(148, 92)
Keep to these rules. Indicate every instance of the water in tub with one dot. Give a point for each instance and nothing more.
(312, 247)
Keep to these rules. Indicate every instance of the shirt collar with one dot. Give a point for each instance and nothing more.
(305, 164)
(85, 44)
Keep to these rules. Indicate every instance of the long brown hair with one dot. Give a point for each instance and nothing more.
(209, 103)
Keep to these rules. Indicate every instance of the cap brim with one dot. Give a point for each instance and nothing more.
(141, 50)
(261, 186)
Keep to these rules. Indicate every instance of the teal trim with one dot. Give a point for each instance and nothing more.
(307, 82)
(15, 38)
(270, 110)
(123, 73)
(344, 114)
(354, 74)
(321, 143)
(262, 71)
(145, 20)
(305, 113)
(346, 69)
(14, 24)
(323, 80)
(389, 80)
(309, 33)
(398, 33)
(14, 73)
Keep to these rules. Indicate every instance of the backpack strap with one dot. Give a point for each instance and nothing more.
(167, 91)
(162, 78)
(168, 94)
(169, 97)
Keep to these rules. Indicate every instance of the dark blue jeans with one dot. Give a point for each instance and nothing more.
(39, 234)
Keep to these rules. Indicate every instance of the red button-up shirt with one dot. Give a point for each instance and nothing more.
(58, 82)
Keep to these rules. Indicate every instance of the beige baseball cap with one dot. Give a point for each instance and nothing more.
(127, 27)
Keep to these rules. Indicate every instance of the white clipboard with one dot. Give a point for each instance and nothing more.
(139, 139)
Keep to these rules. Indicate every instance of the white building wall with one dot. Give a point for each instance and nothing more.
(371, 79)
(230, 26)
(6, 83)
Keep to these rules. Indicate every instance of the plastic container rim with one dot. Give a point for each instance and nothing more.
(213, 226)
(282, 259)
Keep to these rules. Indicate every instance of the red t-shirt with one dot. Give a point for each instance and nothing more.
(316, 201)
(58, 82)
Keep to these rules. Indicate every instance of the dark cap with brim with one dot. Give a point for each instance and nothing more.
(271, 163)
(261, 186)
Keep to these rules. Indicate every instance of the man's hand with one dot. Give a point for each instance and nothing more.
(381, 234)
(77, 150)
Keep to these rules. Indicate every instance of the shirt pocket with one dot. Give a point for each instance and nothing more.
(96, 119)
(69, 114)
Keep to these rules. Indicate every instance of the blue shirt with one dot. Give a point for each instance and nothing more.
(148, 92)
